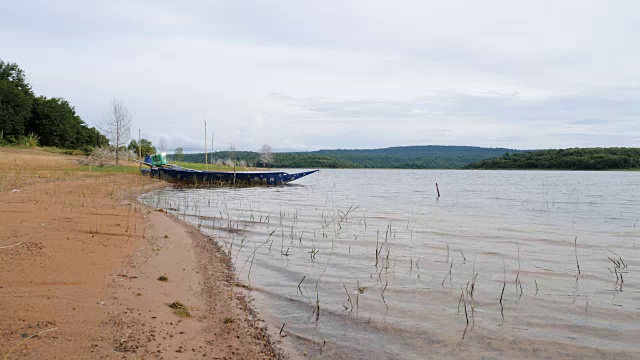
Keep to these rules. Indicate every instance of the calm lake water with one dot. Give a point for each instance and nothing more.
(397, 272)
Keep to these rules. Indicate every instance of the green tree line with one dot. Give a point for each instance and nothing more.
(406, 157)
(280, 160)
(28, 119)
(568, 159)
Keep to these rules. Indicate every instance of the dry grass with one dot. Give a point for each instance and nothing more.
(19, 166)
(12, 159)
(180, 309)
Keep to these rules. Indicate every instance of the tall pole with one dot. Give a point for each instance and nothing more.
(205, 144)
(139, 149)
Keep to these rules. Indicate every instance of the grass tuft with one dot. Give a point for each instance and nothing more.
(180, 309)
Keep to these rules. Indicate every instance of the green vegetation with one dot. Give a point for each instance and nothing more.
(179, 154)
(280, 160)
(568, 159)
(405, 157)
(29, 120)
(180, 309)
(145, 146)
(212, 167)
(309, 160)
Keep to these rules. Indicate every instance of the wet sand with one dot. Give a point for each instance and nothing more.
(79, 265)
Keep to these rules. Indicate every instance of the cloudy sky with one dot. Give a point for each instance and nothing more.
(305, 75)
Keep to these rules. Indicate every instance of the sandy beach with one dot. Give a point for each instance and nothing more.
(80, 263)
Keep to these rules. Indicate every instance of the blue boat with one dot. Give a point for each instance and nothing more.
(204, 178)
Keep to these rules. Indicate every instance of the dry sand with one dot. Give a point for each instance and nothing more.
(79, 265)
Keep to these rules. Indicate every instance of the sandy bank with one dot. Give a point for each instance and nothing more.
(79, 265)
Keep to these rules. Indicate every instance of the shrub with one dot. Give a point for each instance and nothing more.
(31, 141)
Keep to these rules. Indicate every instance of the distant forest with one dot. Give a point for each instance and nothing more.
(403, 157)
(27, 119)
(569, 159)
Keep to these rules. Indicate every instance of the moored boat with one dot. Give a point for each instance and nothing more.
(158, 168)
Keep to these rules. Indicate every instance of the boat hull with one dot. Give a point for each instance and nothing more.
(197, 178)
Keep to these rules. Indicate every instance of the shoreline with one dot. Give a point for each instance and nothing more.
(221, 323)
(80, 259)
(279, 345)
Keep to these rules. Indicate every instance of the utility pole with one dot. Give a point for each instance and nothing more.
(139, 149)
(205, 144)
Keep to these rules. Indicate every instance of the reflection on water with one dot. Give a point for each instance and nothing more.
(396, 272)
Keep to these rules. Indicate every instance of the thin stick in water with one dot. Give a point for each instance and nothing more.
(504, 285)
(448, 275)
(575, 242)
(300, 283)
(466, 314)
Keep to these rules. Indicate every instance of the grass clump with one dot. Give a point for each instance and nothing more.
(180, 309)
(228, 320)
(163, 278)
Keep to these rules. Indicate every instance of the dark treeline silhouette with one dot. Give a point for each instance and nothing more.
(405, 157)
(280, 160)
(416, 157)
(569, 159)
(30, 120)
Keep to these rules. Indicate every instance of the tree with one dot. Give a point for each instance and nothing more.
(55, 121)
(162, 144)
(266, 155)
(146, 147)
(11, 72)
(232, 153)
(15, 109)
(117, 125)
(179, 154)
(133, 147)
(16, 98)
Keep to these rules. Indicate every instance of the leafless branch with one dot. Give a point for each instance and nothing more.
(116, 125)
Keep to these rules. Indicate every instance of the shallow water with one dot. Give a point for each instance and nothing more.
(393, 268)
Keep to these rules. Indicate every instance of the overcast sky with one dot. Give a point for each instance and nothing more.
(305, 75)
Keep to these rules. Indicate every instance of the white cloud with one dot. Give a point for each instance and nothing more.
(301, 75)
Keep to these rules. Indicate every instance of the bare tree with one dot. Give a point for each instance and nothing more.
(116, 124)
(162, 144)
(232, 152)
(266, 154)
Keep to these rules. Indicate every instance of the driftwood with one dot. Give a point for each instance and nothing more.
(102, 156)
(8, 246)
(25, 339)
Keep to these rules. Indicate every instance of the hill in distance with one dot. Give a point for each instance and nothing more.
(400, 157)
(566, 159)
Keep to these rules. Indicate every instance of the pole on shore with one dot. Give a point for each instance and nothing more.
(438, 190)
(206, 164)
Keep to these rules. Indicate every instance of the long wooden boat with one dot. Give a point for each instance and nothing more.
(222, 178)
(204, 178)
